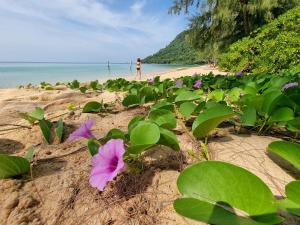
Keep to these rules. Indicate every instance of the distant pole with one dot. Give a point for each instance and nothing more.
(130, 65)
(108, 66)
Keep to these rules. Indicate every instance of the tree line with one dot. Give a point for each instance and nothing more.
(216, 24)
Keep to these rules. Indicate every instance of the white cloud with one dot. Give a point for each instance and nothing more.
(81, 29)
(138, 6)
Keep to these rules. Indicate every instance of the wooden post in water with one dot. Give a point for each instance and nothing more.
(108, 67)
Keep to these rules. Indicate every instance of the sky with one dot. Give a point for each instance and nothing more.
(85, 30)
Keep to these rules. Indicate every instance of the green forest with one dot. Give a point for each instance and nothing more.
(272, 48)
(261, 35)
(179, 51)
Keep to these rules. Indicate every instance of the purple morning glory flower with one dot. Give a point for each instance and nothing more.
(288, 85)
(107, 163)
(240, 73)
(197, 84)
(84, 131)
(179, 83)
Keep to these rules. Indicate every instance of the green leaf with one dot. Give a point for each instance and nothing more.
(131, 100)
(234, 94)
(217, 95)
(45, 126)
(37, 113)
(115, 134)
(83, 89)
(295, 98)
(95, 85)
(210, 119)
(292, 191)
(209, 104)
(292, 203)
(74, 84)
(49, 88)
(187, 108)
(168, 138)
(59, 129)
(187, 96)
(93, 146)
(282, 115)
(137, 149)
(29, 154)
(163, 118)
(163, 105)
(250, 90)
(199, 107)
(227, 186)
(147, 94)
(248, 117)
(251, 100)
(144, 135)
(287, 151)
(289, 206)
(11, 166)
(269, 101)
(294, 125)
(92, 107)
(26, 116)
(134, 122)
(209, 213)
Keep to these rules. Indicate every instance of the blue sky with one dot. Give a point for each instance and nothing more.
(85, 30)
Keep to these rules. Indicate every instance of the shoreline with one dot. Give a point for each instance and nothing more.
(174, 73)
(164, 74)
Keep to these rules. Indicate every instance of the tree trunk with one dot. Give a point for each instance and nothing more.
(245, 15)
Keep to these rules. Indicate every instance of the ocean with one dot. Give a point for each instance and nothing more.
(15, 74)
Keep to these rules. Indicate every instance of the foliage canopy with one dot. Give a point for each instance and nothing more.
(272, 48)
(179, 51)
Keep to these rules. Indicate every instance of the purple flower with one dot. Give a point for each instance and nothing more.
(84, 131)
(240, 73)
(197, 84)
(288, 85)
(107, 163)
(179, 83)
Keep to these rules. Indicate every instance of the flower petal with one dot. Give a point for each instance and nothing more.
(89, 124)
(100, 180)
(107, 163)
(84, 131)
(118, 147)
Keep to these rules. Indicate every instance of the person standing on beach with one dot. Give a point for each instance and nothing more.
(138, 69)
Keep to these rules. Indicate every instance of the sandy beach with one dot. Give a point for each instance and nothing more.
(161, 112)
(175, 73)
(59, 191)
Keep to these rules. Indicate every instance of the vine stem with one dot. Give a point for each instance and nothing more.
(263, 125)
(204, 151)
(204, 146)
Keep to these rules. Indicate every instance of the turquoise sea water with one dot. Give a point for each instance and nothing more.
(15, 74)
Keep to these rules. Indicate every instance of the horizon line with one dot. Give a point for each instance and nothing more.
(67, 62)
